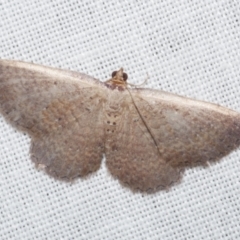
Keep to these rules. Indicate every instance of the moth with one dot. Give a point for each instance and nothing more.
(149, 137)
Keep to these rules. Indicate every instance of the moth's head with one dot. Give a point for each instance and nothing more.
(119, 75)
(119, 79)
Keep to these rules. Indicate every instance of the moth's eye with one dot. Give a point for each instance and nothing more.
(125, 76)
(114, 74)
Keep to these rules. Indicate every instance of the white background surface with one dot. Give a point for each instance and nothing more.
(187, 47)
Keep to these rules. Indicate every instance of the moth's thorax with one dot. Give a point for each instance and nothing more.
(117, 104)
(117, 101)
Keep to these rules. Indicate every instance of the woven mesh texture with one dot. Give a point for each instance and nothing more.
(190, 48)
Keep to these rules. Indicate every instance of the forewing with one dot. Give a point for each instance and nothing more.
(60, 110)
(188, 132)
(132, 156)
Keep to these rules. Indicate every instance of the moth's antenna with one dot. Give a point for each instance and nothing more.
(141, 84)
(144, 122)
